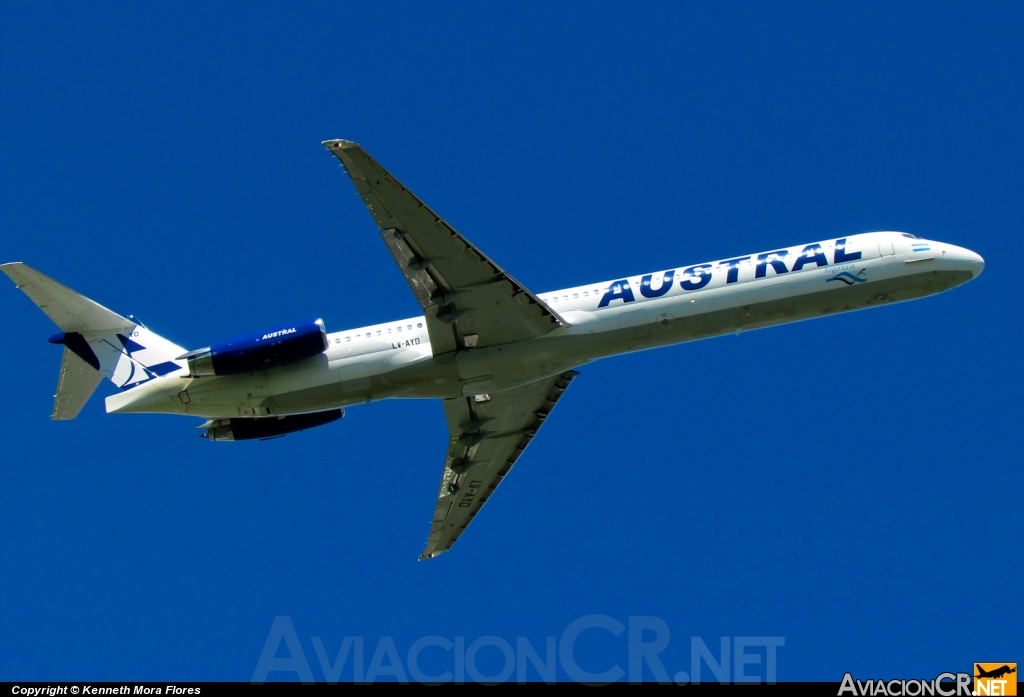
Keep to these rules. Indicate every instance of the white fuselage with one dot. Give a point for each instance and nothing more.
(394, 359)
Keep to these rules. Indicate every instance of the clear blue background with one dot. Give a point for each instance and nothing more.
(851, 483)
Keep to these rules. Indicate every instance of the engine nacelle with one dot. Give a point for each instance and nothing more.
(267, 427)
(259, 351)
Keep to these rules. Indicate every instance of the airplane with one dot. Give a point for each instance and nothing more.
(996, 672)
(498, 356)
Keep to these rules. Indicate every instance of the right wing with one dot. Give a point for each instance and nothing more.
(469, 301)
(486, 439)
(78, 380)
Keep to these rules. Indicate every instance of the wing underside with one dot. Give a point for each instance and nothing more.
(488, 434)
(468, 300)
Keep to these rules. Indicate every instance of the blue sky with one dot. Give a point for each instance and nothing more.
(846, 483)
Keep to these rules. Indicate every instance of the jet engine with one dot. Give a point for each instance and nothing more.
(267, 427)
(259, 351)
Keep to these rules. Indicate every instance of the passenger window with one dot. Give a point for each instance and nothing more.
(419, 325)
(398, 329)
(575, 295)
(409, 327)
(337, 341)
(348, 339)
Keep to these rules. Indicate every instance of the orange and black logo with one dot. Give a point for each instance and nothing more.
(995, 679)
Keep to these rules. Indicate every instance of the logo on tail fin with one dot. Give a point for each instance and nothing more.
(143, 364)
(158, 369)
(128, 358)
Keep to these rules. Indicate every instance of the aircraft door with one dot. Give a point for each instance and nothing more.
(885, 248)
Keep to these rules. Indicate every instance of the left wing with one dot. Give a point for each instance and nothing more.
(486, 439)
(469, 301)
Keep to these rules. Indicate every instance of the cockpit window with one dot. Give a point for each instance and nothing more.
(907, 234)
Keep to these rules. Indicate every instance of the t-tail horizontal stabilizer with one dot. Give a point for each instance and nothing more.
(97, 342)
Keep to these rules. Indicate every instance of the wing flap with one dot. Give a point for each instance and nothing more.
(487, 437)
(462, 292)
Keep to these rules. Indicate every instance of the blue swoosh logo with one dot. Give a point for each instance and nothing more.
(847, 278)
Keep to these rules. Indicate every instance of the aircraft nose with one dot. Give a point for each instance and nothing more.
(964, 259)
(974, 262)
